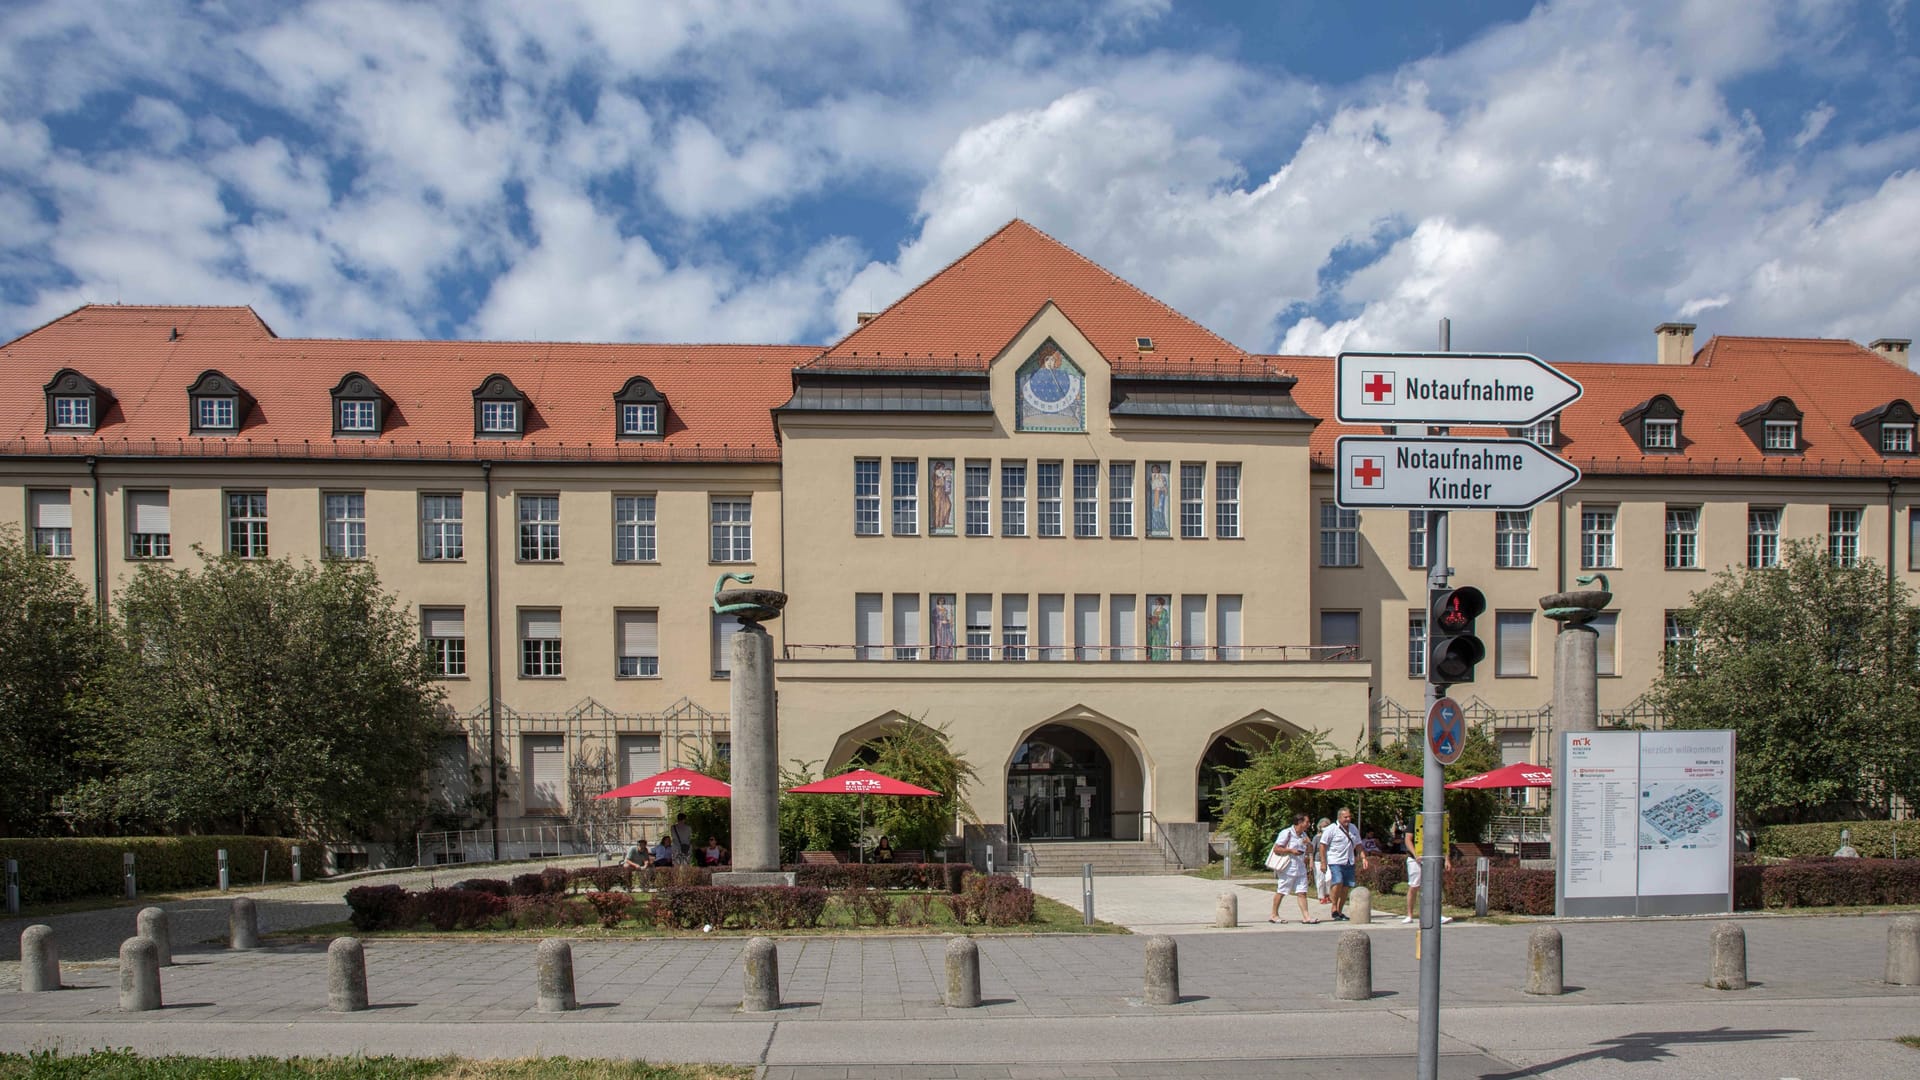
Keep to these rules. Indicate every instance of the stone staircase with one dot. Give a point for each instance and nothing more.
(1065, 858)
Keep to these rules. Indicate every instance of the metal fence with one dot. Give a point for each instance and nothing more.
(526, 842)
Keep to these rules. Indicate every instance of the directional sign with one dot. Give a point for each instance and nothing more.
(1446, 730)
(1488, 389)
(1446, 473)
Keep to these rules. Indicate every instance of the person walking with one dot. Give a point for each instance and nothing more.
(1319, 871)
(1413, 877)
(1339, 847)
(1294, 845)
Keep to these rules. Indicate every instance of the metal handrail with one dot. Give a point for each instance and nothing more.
(1166, 847)
(887, 652)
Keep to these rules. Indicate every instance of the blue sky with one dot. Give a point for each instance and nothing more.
(1299, 176)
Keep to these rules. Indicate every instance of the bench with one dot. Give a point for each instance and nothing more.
(909, 855)
(821, 858)
(1533, 849)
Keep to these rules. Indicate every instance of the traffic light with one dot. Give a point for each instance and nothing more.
(1452, 647)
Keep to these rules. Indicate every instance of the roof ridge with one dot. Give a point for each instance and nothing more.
(924, 282)
(1162, 304)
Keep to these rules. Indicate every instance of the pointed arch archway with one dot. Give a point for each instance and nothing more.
(846, 749)
(1077, 775)
(1228, 748)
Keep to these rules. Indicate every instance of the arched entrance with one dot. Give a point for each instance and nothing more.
(1230, 750)
(1060, 786)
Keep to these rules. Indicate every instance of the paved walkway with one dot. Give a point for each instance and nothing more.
(1178, 904)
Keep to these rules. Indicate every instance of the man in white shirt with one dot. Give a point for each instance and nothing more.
(1339, 846)
(1413, 877)
(1294, 845)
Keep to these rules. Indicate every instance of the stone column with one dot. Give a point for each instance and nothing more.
(1576, 678)
(755, 772)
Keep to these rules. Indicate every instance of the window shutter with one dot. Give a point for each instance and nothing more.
(868, 626)
(1227, 615)
(540, 625)
(724, 628)
(1013, 611)
(546, 770)
(1193, 626)
(1515, 746)
(979, 609)
(52, 510)
(1122, 621)
(445, 622)
(1515, 642)
(1606, 626)
(640, 634)
(906, 618)
(639, 757)
(1086, 626)
(1053, 625)
(150, 512)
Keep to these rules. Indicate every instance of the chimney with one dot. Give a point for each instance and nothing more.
(1892, 349)
(1676, 342)
(864, 317)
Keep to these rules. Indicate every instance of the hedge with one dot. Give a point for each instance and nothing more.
(1872, 839)
(933, 877)
(70, 867)
(1509, 888)
(1831, 882)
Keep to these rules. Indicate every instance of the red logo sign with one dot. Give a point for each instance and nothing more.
(1377, 386)
(1369, 472)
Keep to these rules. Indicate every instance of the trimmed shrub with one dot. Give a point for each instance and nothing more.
(785, 907)
(1383, 872)
(490, 886)
(69, 867)
(380, 907)
(1872, 839)
(529, 885)
(663, 877)
(603, 878)
(693, 906)
(610, 906)
(1509, 888)
(456, 909)
(556, 879)
(1830, 882)
(915, 910)
(939, 877)
(540, 912)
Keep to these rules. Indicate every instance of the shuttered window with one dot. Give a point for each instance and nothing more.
(979, 626)
(1123, 633)
(52, 514)
(1053, 626)
(869, 625)
(1226, 637)
(639, 759)
(1513, 642)
(637, 644)
(906, 626)
(1607, 626)
(724, 628)
(1086, 626)
(544, 769)
(1013, 626)
(1193, 627)
(149, 525)
(445, 631)
(540, 644)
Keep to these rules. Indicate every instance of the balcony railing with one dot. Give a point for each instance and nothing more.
(1170, 653)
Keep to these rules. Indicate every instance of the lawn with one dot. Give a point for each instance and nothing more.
(125, 1065)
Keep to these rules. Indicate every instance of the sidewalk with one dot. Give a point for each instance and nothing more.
(1178, 904)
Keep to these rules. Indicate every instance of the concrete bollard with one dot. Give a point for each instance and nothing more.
(39, 960)
(553, 972)
(1353, 967)
(1545, 970)
(1163, 971)
(152, 925)
(139, 975)
(963, 974)
(1360, 906)
(346, 975)
(1226, 910)
(1729, 962)
(296, 864)
(1903, 951)
(243, 925)
(763, 976)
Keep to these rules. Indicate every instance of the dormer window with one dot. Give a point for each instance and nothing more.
(359, 408)
(1889, 427)
(640, 410)
(217, 405)
(499, 408)
(1782, 435)
(1654, 425)
(1541, 432)
(1661, 435)
(1896, 438)
(1774, 427)
(74, 403)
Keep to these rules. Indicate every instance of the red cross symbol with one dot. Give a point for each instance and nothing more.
(1367, 472)
(1379, 387)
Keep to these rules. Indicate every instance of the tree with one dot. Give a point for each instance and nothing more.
(589, 773)
(49, 649)
(262, 696)
(708, 816)
(1813, 666)
(921, 754)
(814, 822)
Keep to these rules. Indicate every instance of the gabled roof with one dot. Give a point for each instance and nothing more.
(969, 311)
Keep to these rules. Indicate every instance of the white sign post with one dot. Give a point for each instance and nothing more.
(1485, 389)
(1447, 473)
(1647, 825)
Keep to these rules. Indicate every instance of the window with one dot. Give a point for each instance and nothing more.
(1193, 500)
(1513, 643)
(1120, 499)
(1226, 633)
(1046, 479)
(1683, 537)
(1417, 539)
(1013, 498)
(445, 631)
(1913, 538)
(636, 637)
(77, 412)
(1193, 627)
(215, 413)
(1417, 644)
(149, 525)
(1086, 498)
(1013, 626)
(540, 644)
(1122, 627)
(1678, 655)
(442, 528)
(1050, 626)
(1086, 627)
(500, 417)
(358, 416)
(539, 528)
(1513, 538)
(906, 497)
(639, 419)
(1596, 537)
(725, 629)
(869, 625)
(979, 626)
(1541, 432)
(544, 768)
(1339, 536)
(52, 523)
(1894, 438)
(1763, 536)
(906, 626)
(979, 498)
(639, 759)
(247, 524)
(732, 523)
(1340, 629)
(1661, 434)
(866, 496)
(1226, 501)
(1781, 435)
(1606, 650)
(345, 514)
(1843, 536)
(633, 529)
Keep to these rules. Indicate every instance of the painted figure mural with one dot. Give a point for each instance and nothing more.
(1050, 392)
(940, 487)
(943, 627)
(1159, 629)
(1159, 498)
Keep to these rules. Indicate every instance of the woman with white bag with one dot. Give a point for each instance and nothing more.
(1292, 850)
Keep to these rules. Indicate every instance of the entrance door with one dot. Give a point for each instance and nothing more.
(1058, 787)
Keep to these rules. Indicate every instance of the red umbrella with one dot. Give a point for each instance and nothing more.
(863, 783)
(1357, 775)
(672, 782)
(1517, 775)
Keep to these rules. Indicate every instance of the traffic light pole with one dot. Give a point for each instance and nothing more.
(1433, 851)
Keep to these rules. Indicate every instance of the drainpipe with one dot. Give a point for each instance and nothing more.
(493, 666)
(99, 543)
(1560, 561)
(1893, 487)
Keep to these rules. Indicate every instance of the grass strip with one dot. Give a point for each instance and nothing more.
(126, 1065)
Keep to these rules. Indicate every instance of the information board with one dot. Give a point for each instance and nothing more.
(1647, 823)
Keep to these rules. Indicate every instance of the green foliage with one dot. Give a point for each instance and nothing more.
(1872, 839)
(1468, 812)
(1253, 814)
(814, 822)
(1813, 666)
(49, 646)
(921, 754)
(709, 817)
(261, 696)
(127, 1065)
(66, 868)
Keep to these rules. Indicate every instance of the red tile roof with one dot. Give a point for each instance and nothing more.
(718, 396)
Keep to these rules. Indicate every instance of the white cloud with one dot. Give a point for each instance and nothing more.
(1816, 122)
(1694, 307)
